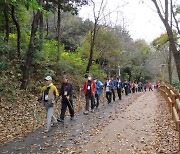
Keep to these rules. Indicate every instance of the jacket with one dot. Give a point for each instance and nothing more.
(52, 94)
(109, 85)
(66, 90)
(98, 87)
(93, 87)
(119, 84)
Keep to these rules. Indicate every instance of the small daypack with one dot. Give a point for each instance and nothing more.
(47, 102)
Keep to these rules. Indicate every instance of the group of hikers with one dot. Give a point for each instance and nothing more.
(92, 89)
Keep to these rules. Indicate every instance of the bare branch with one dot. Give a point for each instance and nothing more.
(177, 25)
(158, 10)
(161, 6)
(166, 10)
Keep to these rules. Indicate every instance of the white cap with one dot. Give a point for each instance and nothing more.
(48, 78)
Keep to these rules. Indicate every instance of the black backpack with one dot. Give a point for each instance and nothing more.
(46, 93)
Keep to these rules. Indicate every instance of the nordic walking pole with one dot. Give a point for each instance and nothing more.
(70, 104)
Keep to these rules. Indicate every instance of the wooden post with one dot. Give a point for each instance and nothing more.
(162, 73)
(178, 124)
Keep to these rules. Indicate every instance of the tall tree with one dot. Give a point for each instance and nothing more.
(31, 48)
(164, 16)
(94, 31)
(58, 29)
(6, 15)
(18, 30)
(41, 30)
(162, 44)
(65, 6)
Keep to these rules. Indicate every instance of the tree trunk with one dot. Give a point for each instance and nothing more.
(90, 60)
(18, 31)
(30, 52)
(93, 38)
(6, 15)
(175, 52)
(58, 31)
(41, 30)
(47, 27)
(170, 65)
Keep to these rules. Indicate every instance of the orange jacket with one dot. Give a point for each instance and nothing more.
(93, 87)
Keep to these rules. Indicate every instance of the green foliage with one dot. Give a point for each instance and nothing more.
(4, 54)
(49, 52)
(177, 10)
(74, 29)
(160, 42)
(176, 85)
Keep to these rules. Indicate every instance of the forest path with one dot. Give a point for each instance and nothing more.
(123, 127)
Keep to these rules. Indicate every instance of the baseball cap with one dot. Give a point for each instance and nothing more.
(65, 77)
(48, 78)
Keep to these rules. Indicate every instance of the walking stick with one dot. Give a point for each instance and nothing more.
(70, 105)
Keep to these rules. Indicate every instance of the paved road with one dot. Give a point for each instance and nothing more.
(132, 132)
(122, 127)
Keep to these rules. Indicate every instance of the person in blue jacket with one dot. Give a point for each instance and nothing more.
(119, 86)
(113, 82)
(98, 91)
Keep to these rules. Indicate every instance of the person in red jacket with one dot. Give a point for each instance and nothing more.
(89, 89)
(150, 87)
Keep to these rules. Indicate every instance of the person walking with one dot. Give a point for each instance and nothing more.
(133, 87)
(136, 87)
(113, 86)
(89, 89)
(158, 85)
(150, 87)
(145, 86)
(126, 87)
(108, 88)
(119, 86)
(66, 92)
(49, 94)
(98, 92)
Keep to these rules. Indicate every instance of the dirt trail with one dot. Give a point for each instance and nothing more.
(131, 132)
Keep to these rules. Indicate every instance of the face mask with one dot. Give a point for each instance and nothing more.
(95, 80)
(89, 78)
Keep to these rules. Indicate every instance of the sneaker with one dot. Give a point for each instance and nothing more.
(92, 110)
(46, 130)
(54, 124)
(60, 120)
(85, 113)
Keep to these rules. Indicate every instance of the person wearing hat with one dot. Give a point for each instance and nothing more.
(66, 92)
(49, 94)
(89, 89)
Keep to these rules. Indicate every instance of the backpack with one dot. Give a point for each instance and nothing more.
(47, 102)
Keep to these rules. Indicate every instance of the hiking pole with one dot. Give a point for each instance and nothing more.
(70, 104)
